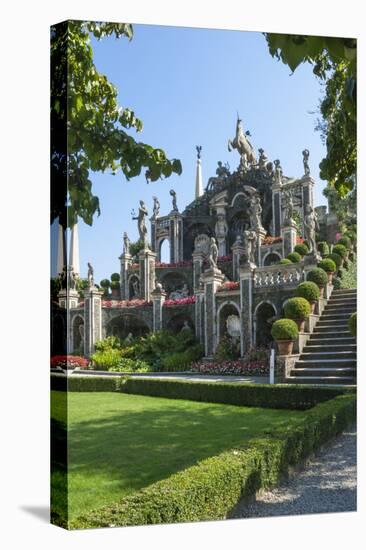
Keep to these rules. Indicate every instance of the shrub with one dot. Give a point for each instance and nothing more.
(105, 283)
(243, 366)
(115, 285)
(284, 261)
(104, 360)
(226, 349)
(284, 329)
(294, 257)
(345, 241)
(340, 250)
(297, 308)
(182, 360)
(130, 365)
(351, 235)
(115, 277)
(318, 276)
(323, 248)
(69, 361)
(308, 290)
(301, 249)
(337, 259)
(352, 324)
(111, 342)
(328, 265)
(336, 282)
(84, 383)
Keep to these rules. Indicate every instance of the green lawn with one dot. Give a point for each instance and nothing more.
(119, 443)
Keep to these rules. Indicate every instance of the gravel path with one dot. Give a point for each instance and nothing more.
(327, 484)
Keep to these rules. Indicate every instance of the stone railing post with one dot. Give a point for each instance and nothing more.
(158, 298)
(289, 233)
(147, 260)
(212, 278)
(92, 319)
(198, 259)
(246, 274)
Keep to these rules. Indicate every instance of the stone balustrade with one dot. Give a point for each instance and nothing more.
(278, 276)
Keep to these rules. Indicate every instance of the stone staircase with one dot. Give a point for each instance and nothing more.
(330, 355)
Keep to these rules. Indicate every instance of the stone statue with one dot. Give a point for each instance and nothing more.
(255, 211)
(156, 208)
(306, 154)
(129, 339)
(250, 245)
(174, 200)
(289, 205)
(72, 278)
(90, 275)
(141, 224)
(278, 172)
(126, 243)
(221, 227)
(242, 145)
(222, 170)
(213, 253)
(185, 327)
(198, 149)
(159, 287)
(263, 160)
(310, 226)
(136, 288)
(179, 293)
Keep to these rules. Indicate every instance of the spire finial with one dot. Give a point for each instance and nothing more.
(198, 149)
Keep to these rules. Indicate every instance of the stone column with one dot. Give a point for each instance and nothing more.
(289, 233)
(92, 319)
(126, 260)
(307, 187)
(199, 314)
(246, 274)
(238, 250)
(261, 233)
(176, 237)
(276, 209)
(198, 259)
(158, 297)
(68, 299)
(212, 278)
(147, 260)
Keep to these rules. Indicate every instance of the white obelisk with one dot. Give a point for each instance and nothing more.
(199, 186)
(74, 260)
(61, 249)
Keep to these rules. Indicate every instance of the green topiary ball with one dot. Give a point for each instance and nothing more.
(352, 324)
(115, 277)
(336, 259)
(328, 265)
(297, 308)
(340, 250)
(105, 283)
(323, 248)
(345, 241)
(318, 276)
(294, 257)
(284, 329)
(308, 290)
(301, 249)
(115, 285)
(284, 261)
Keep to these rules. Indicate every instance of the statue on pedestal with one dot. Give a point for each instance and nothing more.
(243, 146)
(213, 253)
(126, 243)
(136, 288)
(174, 200)
(141, 223)
(278, 172)
(255, 211)
(90, 275)
(156, 208)
(310, 226)
(250, 245)
(289, 205)
(306, 154)
(263, 160)
(221, 227)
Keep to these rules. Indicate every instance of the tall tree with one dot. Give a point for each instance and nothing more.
(334, 62)
(88, 127)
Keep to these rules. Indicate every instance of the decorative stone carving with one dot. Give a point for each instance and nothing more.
(126, 243)
(233, 326)
(202, 244)
(174, 200)
(278, 172)
(243, 146)
(136, 287)
(310, 226)
(289, 205)
(141, 223)
(263, 160)
(221, 227)
(186, 327)
(156, 208)
(90, 275)
(250, 240)
(213, 253)
(179, 293)
(306, 154)
(255, 211)
(129, 339)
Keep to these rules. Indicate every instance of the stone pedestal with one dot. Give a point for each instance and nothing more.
(238, 250)
(147, 260)
(276, 209)
(289, 232)
(199, 314)
(126, 260)
(246, 274)
(68, 299)
(261, 233)
(158, 299)
(198, 259)
(92, 319)
(212, 278)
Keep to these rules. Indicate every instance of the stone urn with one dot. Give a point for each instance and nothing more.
(285, 347)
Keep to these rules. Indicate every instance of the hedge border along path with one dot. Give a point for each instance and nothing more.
(210, 489)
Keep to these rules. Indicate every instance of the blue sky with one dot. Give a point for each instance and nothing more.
(187, 86)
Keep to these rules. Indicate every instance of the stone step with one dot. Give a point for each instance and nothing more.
(319, 348)
(324, 340)
(340, 331)
(322, 380)
(325, 321)
(352, 363)
(312, 355)
(334, 315)
(344, 291)
(322, 371)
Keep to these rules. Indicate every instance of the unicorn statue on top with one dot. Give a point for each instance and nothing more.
(243, 146)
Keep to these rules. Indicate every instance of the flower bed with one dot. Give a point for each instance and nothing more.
(125, 303)
(227, 258)
(271, 240)
(229, 285)
(184, 263)
(69, 361)
(180, 301)
(238, 367)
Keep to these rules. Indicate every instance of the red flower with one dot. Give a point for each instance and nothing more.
(180, 301)
(229, 285)
(69, 361)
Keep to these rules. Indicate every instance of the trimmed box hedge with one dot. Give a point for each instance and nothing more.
(211, 489)
(270, 396)
(60, 382)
